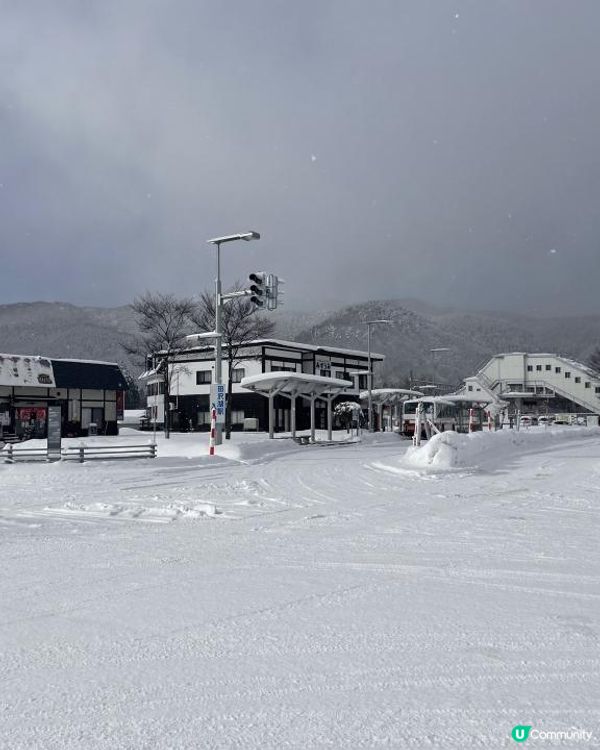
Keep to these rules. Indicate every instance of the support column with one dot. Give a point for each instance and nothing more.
(271, 416)
(329, 418)
(312, 418)
(293, 413)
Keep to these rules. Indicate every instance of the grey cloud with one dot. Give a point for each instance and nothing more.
(383, 149)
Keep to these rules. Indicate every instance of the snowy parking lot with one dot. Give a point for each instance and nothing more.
(281, 596)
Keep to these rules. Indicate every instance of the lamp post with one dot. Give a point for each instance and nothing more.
(370, 323)
(218, 241)
(434, 351)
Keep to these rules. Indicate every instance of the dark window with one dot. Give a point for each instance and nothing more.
(578, 380)
(588, 384)
(597, 389)
(362, 382)
(203, 377)
(557, 370)
(325, 373)
(548, 368)
(237, 375)
(567, 375)
(538, 368)
(529, 368)
(469, 387)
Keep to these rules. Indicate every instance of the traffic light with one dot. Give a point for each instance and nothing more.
(273, 291)
(258, 288)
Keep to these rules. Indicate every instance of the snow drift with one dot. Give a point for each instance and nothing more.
(449, 450)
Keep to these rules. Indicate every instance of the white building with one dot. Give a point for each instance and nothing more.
(538, 383)
(192, 373)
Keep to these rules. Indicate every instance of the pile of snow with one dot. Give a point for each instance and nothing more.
(450, 450)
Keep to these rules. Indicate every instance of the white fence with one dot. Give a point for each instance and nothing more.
(80, 453)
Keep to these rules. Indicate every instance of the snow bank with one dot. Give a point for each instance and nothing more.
(450, 450)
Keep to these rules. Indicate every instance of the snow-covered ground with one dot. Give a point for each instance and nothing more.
(281, 596)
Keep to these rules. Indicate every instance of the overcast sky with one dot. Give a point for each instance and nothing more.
(441, 150)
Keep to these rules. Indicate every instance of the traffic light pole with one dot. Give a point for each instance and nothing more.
(370, 380)
(218, 347)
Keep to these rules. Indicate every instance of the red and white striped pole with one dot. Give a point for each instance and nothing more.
(213, 430)
(471, 420)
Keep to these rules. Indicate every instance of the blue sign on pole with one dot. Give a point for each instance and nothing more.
(217, 401)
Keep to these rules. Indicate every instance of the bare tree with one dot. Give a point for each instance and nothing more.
(241, 323)
(163, 321)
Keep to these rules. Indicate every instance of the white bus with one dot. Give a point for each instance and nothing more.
(450, 412)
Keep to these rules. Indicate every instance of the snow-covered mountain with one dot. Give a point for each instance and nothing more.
(63, 330)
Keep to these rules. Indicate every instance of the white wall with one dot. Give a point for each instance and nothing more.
(512, 368)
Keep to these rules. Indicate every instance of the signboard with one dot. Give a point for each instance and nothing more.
(54, 431)
(31, 413)
(217, 401)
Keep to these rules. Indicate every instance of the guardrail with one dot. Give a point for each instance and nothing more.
(81, 453)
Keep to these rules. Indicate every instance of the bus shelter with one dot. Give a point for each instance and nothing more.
(390, 398)
(292, 385)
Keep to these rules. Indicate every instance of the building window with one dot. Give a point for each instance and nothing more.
(203, 417)
(538, 368)
(363, 382)
(340, 375)
(282, 368)
(325, 373)
(588, 384)
(469, 387)
(567, 375)
(237, 374)
(203, 377)
(548, 368)
(557, 370)
(597, 389)
(237, 417)
(578, 380)
(529, 368)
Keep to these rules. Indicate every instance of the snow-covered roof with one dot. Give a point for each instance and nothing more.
(288, 382)
(296, 345)
(389, 395)
(25, 370)
(453, 398)
(20, 370)
(524, 394)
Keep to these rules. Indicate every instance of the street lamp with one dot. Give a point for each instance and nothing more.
(218, 241)
(434, 351)
(370, 323)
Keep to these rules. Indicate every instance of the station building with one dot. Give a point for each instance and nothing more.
(538, 384)
(192, 373)
(89, 393)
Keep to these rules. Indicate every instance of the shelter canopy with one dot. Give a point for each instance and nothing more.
(300, 384)
(389, 395)
(294, 384)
